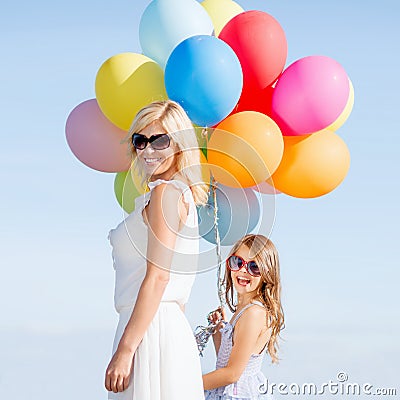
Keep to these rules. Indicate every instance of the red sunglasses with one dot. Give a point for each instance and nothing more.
(235, 263)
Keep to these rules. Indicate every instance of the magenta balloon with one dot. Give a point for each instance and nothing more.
(310, 95)
(94, 140)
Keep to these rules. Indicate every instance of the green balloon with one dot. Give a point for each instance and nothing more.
(201, 138)
(125, 191)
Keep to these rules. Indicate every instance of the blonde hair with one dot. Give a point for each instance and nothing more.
(264, 253)
(174, 120)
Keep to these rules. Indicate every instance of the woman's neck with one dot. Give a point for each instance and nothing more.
(167, 176)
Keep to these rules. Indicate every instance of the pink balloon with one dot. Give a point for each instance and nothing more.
(265, 188)
(310, 95)
(94, 140)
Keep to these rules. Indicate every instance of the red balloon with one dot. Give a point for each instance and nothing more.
(260, 44)
(256, 100)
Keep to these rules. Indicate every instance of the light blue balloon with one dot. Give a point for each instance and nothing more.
(165, 23)
(238, 213)
(204, 75)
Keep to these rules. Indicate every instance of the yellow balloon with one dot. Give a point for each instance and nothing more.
(125, 83)
(221, 12)
(312, 165)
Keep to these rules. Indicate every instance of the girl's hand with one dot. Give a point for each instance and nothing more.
(216, 317)
(119, 371)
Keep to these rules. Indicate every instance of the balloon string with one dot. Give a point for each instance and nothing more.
(203, 333)
(214, 187)
(220, 280)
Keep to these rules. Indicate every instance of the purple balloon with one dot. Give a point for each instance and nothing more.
(94, 140)
(265, 188)
(310, 95)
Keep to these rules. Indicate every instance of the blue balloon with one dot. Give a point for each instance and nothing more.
(238, 214)
(165, 23)
(203, 74)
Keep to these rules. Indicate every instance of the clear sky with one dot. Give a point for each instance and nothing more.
(338, 252)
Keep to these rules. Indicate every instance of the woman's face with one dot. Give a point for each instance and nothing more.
(243, 282)
(157, 163)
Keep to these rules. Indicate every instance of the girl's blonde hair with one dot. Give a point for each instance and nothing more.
(174, 121)
(264, 253)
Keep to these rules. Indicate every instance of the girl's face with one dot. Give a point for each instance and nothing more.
(157, 163)
(243, 282)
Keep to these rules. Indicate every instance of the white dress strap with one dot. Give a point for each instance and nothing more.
(245, 308)
(240, 313)
(259, 303)
(182, 186)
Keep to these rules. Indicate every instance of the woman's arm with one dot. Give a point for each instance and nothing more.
(163, 224)
(246, 333)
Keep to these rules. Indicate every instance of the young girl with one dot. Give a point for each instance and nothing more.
(252, 269)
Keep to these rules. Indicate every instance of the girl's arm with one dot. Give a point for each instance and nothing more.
(217, 340)
(246, 333)
(163, 224)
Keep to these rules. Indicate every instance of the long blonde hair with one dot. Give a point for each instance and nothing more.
(174, 120)
(264, 253)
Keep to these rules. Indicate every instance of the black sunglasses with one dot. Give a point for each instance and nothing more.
(235, 263)
(157, 142)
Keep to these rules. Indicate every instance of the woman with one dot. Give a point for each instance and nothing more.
(155, 252)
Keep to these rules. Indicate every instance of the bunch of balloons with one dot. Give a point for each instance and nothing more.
(273, 129)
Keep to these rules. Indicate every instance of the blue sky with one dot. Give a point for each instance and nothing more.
(338, 252)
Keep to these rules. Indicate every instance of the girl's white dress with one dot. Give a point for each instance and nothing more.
(252, 383)
(166, 363)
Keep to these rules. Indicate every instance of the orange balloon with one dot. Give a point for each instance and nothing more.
(312, 165)
(245, 149)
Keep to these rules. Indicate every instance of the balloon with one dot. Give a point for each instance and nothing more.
(125, 191)
(344, 115)
(256, 100)
(312, 165)
(245, 149)
(201, 138)
(232, 225)
(205, 168)
(346, 112)
(221, 12)
(94, 140)
(265, 188)
(125, 83)
(166, 23)
(310, 95)
(260, 44)
(204, 75)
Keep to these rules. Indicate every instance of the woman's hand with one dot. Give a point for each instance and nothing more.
(119, 371)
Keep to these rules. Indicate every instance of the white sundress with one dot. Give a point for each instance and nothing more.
(166, 363)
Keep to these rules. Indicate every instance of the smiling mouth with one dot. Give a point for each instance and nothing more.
(242, 281)
(152, 160)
